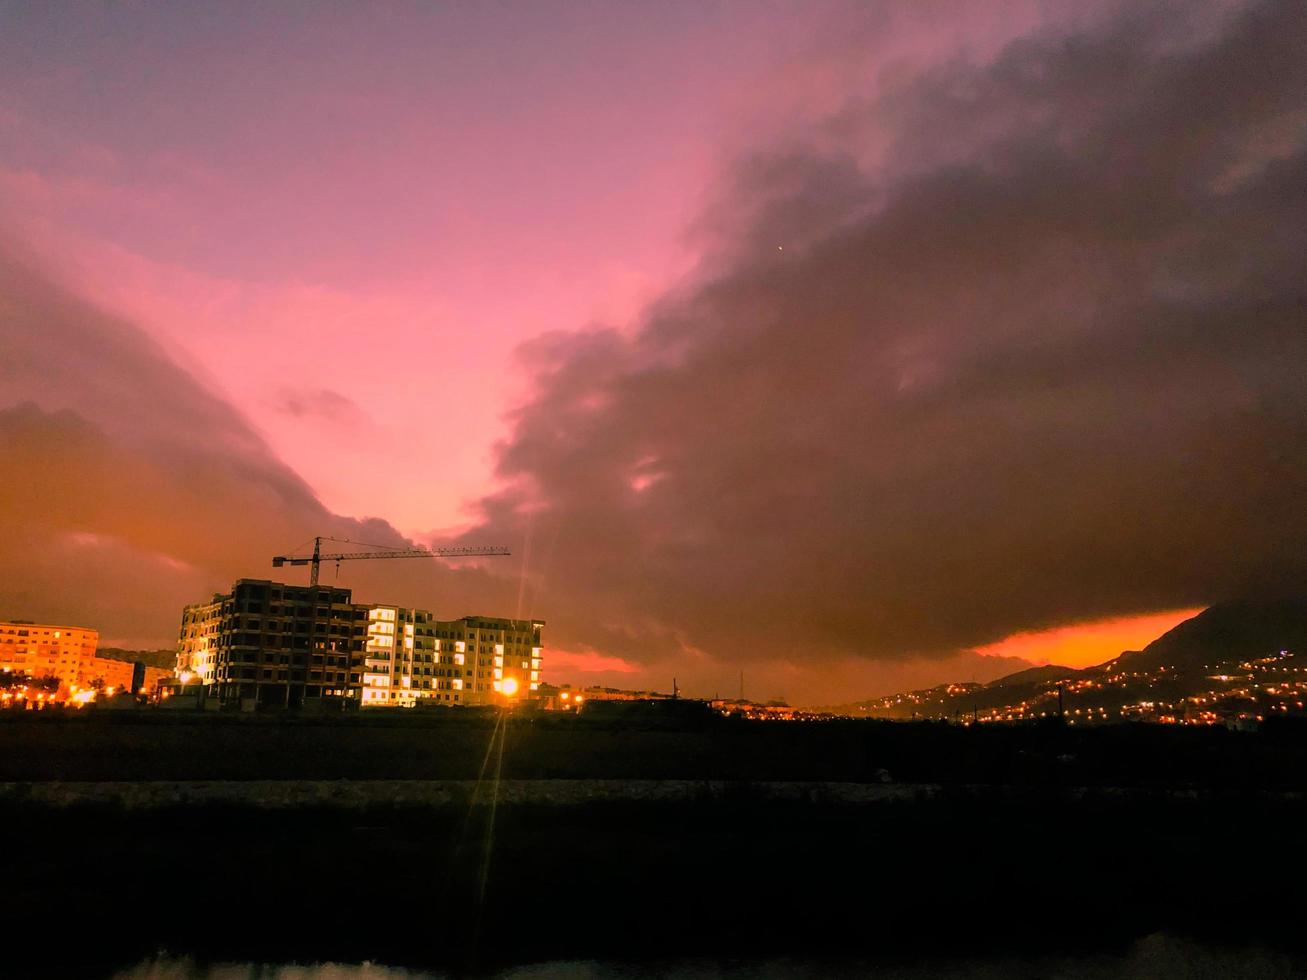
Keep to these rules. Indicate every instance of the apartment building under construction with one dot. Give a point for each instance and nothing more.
(286, 645)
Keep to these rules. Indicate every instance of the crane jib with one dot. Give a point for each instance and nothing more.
(317, 558)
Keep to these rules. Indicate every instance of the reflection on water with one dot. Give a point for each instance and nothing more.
(1155, 956)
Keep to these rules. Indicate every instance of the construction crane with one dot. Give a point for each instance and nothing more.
(315, 560)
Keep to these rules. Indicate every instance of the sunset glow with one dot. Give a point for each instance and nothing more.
(819, 342)
(674, 488)
(1087, 644)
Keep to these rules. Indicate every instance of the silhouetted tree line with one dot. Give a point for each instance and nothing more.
(9, 680)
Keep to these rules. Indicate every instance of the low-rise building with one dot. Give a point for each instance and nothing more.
(116, 674)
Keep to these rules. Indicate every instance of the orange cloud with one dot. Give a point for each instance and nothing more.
(588, 662)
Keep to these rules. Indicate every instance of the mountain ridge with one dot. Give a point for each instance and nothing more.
(1230, 635)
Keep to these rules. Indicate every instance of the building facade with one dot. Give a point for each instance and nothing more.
(411, 657)
(43, 650)
(274, 643)
(287, 645)
(68, 653)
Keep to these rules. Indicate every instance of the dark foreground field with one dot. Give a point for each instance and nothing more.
(987, 843)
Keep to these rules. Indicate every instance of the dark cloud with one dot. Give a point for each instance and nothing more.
(1005, 346)
(1041, 361)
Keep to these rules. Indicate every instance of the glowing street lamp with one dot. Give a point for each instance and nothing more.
(510, 686)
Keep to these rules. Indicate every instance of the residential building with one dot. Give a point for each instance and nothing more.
(287, 645)
(116, 674)
(44, 650)
(411, 657)
(68, 653)
(273, 643)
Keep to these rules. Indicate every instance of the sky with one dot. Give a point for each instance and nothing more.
(852, 346)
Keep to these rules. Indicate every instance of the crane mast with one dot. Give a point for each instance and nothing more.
(317, 558)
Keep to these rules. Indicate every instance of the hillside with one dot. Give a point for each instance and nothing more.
(166, 659)
(1230, 662)
(1035, 675)
(1231, 631)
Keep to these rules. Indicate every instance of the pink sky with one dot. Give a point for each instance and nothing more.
(383, 203)
(379, 203)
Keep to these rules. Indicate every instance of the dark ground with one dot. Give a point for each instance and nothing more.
(1008, 858)
(451, 744)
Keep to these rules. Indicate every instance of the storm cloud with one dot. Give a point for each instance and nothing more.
(1004, 341)
(1003, 345)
